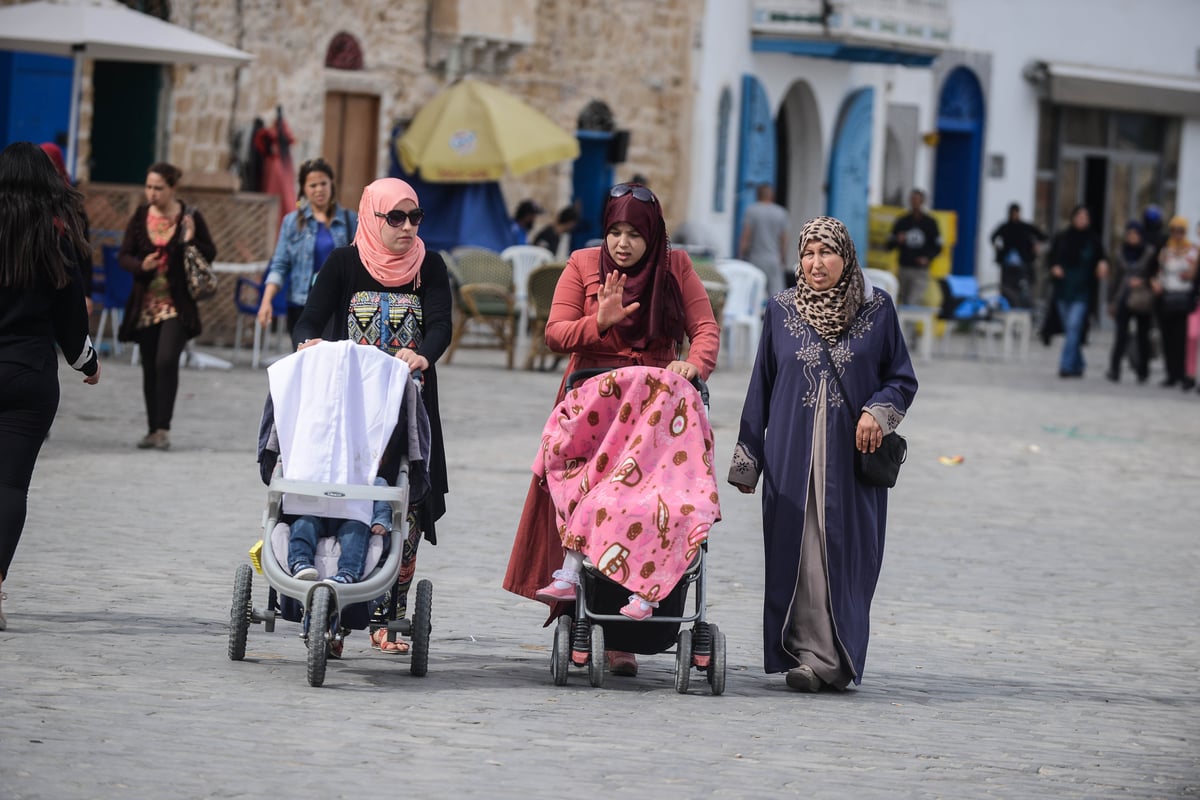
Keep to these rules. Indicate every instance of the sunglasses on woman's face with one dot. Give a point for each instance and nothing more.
(639, 192)
(396, 218)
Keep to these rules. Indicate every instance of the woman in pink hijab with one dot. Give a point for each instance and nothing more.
(386, 290)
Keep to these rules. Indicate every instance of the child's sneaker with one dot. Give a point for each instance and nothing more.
(304, 572)
(637, 608)
(342, 577)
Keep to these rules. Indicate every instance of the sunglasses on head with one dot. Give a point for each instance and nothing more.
(639, 192)
(396, 218)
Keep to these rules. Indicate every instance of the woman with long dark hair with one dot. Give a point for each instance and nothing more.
(41, 305)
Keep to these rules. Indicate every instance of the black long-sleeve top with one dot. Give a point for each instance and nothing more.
(137, 245)
(32, 321)
(916, 238)
(326, 316)
(344, 275)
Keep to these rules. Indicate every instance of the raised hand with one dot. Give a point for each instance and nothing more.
(611, 297)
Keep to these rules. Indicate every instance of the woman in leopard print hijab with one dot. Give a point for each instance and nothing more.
(828, 296)
(832, 377)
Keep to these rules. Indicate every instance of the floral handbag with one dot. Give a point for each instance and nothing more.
(202, 281)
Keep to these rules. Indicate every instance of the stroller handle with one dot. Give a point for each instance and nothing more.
(581, 375)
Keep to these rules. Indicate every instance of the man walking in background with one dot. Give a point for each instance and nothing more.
(764, 240)
(917, 236)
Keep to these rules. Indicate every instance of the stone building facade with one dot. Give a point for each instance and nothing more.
(558, 55)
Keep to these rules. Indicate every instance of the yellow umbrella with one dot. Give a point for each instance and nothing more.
(475, 132)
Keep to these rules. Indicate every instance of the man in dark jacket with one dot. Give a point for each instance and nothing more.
(1016, 242)
(917, 236)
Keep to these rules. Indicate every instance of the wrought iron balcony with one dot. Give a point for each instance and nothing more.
(910, 32)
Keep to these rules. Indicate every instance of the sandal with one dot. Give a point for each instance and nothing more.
(379, 642)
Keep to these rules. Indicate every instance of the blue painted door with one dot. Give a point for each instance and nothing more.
(591, 178)
(850, 167)
(35, 98)
(756, 150)
(959, 162)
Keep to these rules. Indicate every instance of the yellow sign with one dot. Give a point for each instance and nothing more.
(879, 228)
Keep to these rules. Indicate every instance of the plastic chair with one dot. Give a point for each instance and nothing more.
(524, 258)
(488, 304)
(884, 280)
(741, 322)
(118, 284)
(246, 288)
(542, 283)
(967, 304)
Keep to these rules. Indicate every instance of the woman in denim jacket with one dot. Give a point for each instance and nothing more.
(306, 238)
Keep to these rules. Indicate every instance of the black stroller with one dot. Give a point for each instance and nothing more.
(581, 640)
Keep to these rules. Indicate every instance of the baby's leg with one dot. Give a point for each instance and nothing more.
(302, 545)
(353, 537)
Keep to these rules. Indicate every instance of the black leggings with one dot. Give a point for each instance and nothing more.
(161, 346)
(28, 402)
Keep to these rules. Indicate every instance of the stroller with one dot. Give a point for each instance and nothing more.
(582, 638)
(327, 610)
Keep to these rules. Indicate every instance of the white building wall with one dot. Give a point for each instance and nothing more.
(1161, 36)
(1158, 37)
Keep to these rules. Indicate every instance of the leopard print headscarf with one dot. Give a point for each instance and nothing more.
(830, 312)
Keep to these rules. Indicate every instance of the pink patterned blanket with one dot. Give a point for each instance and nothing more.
(627, 458)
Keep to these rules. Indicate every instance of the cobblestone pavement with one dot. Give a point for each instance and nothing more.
(1035, 628)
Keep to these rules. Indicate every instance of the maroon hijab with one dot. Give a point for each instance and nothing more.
(650, 282)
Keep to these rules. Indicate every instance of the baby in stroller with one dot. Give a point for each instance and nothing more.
(352, 537)
(344, 448)
(627, 460)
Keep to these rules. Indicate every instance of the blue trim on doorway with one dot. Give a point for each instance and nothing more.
(756, 150)
(850, 166)
(840, 52)
(959, 163)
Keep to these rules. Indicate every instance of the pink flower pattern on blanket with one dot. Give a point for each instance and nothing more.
(627, 459)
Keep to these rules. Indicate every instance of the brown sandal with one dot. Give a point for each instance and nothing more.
(379, 642)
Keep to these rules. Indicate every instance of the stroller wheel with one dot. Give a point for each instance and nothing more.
(716, 667)
(422, 626)
(560, 654)
(683, 660)
(241, 612)
(319, 615)
(598, 662)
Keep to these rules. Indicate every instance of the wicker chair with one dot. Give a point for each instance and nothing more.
(542, 282)
(487, 306)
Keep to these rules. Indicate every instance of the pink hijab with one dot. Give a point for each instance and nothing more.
(384, 265)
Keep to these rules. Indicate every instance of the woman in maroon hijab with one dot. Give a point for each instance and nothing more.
(629, 302)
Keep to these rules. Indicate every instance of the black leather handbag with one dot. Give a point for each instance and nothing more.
(882, 467)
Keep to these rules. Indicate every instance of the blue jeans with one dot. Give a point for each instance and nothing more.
(1073, 314)
(352, 535)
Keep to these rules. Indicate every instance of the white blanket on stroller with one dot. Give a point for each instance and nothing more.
(336, 404)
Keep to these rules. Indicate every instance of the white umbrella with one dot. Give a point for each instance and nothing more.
(105, 30)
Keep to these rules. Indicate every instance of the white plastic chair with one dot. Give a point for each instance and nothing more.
(884, 280)
(744, 300)
(524, 258)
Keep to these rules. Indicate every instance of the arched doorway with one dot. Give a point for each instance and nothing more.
(756, 150)
(959, 161)
(799, 184)
(850, 166)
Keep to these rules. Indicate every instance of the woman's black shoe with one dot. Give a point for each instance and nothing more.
(1113, 376)
(1168, 383)
(1188, 384)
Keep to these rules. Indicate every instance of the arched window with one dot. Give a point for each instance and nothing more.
(344, 53)
(724, 110)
